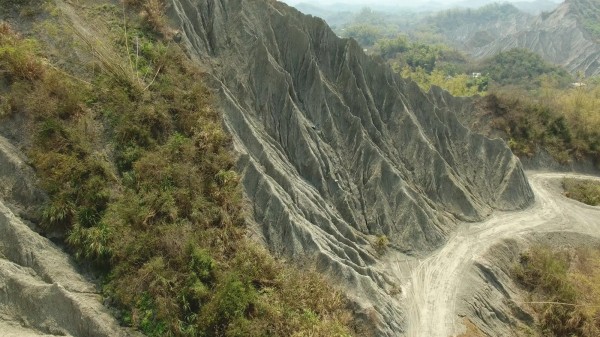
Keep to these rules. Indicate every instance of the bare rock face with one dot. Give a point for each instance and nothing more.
(558, 37)
(17, 183)
(335, 149)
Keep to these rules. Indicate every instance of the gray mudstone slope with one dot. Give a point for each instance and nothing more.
(336, 149)
(558, 37)
(490, 297)
(41, 293)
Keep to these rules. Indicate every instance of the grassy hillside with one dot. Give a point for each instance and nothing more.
(520, 67)
(129, 146)
(563, 287)
(564, 122)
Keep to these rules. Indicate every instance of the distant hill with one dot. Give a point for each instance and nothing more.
(521, 67)
(568, 36)
(467, 29)
(536, 7)
(532, 7)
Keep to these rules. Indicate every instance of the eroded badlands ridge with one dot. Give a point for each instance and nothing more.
(335, 148)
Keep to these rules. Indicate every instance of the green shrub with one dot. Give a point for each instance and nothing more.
(18, 57)
(522, 67)
(381, 244)
(586, 191)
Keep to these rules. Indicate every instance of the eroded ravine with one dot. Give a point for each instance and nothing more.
(431, 290)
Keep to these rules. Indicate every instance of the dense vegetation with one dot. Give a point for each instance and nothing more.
(564, 122)
(586, 191)
(429, 65)
(564, 290)
(142, 186)
(522, 68)
(415, 49)
(447, 68)
(368, 26)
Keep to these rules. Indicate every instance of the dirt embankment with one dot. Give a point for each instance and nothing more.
(468, 277)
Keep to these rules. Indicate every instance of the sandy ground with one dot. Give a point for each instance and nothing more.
(13, 329)
(431, 289)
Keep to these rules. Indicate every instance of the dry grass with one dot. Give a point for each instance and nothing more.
(153, 14)
(564, 288)
(19, 57)
(564, 122)
(586, 191)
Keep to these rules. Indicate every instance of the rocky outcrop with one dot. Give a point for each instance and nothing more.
(335, 149)
(559, 37)
(17, 183)
(41, 293)
(490, 298)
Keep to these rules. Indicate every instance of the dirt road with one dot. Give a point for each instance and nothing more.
(431, 291)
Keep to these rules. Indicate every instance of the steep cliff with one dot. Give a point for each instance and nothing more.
(566, 36)
(336, 150)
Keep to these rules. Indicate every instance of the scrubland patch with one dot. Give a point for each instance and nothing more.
(586, 191)
(563, 287)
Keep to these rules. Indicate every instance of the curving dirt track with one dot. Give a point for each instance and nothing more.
(431, 292)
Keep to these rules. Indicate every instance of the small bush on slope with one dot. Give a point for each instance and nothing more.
(586, 191)
(141, 185)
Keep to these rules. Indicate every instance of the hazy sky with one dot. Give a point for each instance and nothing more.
(383, 2)
(388, 2)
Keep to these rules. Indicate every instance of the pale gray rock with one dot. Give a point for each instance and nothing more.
(18, 182)
(335, 149)
(490, 298)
